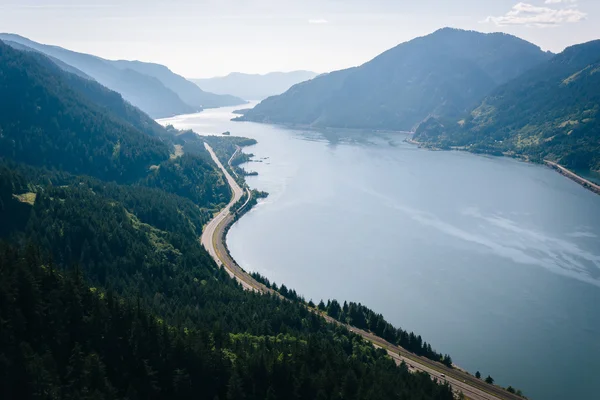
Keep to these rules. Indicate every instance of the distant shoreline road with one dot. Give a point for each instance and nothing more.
(213, 240)
(574, 177)
(559, 168)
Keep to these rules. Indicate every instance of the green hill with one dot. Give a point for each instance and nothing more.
(442, 74)
(549, 112)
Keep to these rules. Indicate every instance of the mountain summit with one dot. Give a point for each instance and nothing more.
(444, 73)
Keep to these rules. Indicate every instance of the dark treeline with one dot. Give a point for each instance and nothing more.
(364, 318)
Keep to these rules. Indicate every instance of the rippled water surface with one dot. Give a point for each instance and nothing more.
(494, 261)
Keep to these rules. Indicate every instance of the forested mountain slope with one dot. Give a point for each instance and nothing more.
(549, 112)
(53, 119)
(105, 290)
(143, 91)
(45, 121)
(443, 74)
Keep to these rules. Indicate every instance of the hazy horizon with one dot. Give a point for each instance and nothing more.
(211, 38)
(254, 73)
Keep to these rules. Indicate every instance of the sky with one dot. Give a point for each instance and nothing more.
(205, 38)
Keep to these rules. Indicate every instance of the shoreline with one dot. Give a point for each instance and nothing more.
(587, 184)
(312, 128)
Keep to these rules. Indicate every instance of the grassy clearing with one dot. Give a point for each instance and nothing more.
(28, 198)
(178, 152)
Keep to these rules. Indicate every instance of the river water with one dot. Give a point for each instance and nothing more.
(494, 261)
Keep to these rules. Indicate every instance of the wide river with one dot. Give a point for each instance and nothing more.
(494, 261)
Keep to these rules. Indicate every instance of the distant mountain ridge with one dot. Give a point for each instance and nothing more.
(186, 90)
(254, 86)
(64, 66)
(550, 112)
(151, 87)
(441, 74)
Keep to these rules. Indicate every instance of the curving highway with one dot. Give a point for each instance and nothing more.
(213, 234)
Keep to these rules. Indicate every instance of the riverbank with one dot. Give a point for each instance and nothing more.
(591, 186)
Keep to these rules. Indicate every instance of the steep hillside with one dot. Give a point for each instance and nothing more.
(254, 86)
(143, 91)
(46, 120)
(549, 112)
(302, 103)
(186, 90)
(442, 74)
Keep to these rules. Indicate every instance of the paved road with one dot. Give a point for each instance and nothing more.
(213, 240)
(573, 176)
(238, 149)
(471, 387)
(457, 384)
(234, 155)
(213, 234)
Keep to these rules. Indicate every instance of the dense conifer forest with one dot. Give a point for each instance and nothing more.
(362, 317)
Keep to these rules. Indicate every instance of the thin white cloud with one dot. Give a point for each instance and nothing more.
(530, 15)
(317, 21)
(560, 1)
(57, 6)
